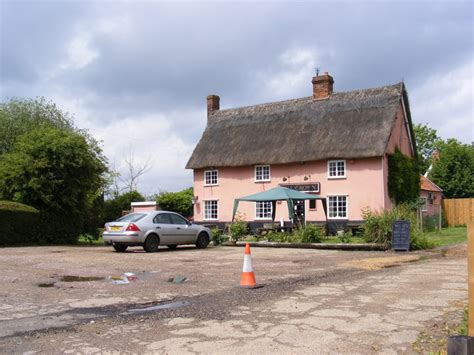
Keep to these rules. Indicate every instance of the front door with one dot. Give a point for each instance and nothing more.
(299, 212)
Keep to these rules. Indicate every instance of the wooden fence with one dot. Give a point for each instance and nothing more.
(458, 211)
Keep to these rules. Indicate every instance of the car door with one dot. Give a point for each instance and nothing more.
(164, 228)
(184, 234)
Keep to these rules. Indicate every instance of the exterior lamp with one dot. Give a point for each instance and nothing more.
(194, 199)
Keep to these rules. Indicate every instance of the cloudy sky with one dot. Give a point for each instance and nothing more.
(136, 73)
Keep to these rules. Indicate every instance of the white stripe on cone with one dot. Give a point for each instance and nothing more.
(247, 263)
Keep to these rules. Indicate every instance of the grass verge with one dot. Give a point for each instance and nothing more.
(448, 236)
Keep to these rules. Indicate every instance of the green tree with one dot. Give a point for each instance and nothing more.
(454, 170)
(20, 116)
(58, 172)
(403, 178)
(115, 206)
(427, 140)
(180, 202)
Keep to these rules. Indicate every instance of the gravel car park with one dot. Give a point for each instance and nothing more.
(152, 229)
(64, 299)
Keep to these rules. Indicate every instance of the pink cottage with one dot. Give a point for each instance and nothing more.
(334, 144)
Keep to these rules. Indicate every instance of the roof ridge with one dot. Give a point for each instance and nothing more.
(304, 98)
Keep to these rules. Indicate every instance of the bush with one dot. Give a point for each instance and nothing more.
(308, 233)
(344, 237)
(377, 226)
(180, 202)
(418, 241)
(113, 208)
(238, 229)
(217, 236)
(281, 237)
(18, 224)
(58, 172)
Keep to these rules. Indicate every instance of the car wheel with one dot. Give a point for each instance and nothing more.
(202, 240)
(172, 246)
(120, 247)
(151, 244)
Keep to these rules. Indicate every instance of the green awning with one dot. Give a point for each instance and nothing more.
(279, 194)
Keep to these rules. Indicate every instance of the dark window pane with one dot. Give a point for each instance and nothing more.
(175, 219)
(162, 218)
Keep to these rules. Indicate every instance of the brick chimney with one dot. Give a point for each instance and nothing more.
(322, 86)
(212, 104)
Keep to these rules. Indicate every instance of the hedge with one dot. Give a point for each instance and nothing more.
(19, 224)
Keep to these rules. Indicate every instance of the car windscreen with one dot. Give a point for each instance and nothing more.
(132, 217)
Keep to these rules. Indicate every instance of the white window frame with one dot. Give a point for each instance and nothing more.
(337, 162)
(269, 173)
(337, 202)
(424, 207)
(256, 210)
(217, 210)
(210, 178)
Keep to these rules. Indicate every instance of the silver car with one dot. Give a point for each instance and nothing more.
(152, 229)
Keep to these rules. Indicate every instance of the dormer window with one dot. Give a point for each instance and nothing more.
(336, 169)
(211, 178)
(262, 173)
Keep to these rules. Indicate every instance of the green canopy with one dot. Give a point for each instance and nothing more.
(279, 194)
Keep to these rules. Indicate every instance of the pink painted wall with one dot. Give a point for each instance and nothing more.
(364, 186)
(398, 138)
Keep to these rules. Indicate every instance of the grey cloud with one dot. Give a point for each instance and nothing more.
(32, 36)
(166, 57)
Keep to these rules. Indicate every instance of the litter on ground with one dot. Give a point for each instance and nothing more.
(126, 278)
(178, 279)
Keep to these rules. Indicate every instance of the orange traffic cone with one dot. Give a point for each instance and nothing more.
(248, 277)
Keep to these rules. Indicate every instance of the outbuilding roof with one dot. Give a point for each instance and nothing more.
(354, 124)
(428, 185)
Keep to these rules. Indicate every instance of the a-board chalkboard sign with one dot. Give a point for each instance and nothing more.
(401, 235)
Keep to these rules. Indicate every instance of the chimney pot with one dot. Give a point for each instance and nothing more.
(213, 103)
(322, 86)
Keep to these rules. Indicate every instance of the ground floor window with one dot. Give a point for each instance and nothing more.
(337, 206)
(263, 210)
(211, 208)
(312, 204)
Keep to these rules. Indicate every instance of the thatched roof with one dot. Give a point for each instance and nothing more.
(355, 124)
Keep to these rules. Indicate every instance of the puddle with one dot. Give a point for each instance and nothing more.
(71, 278)
(48, 284)
(172, 305)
